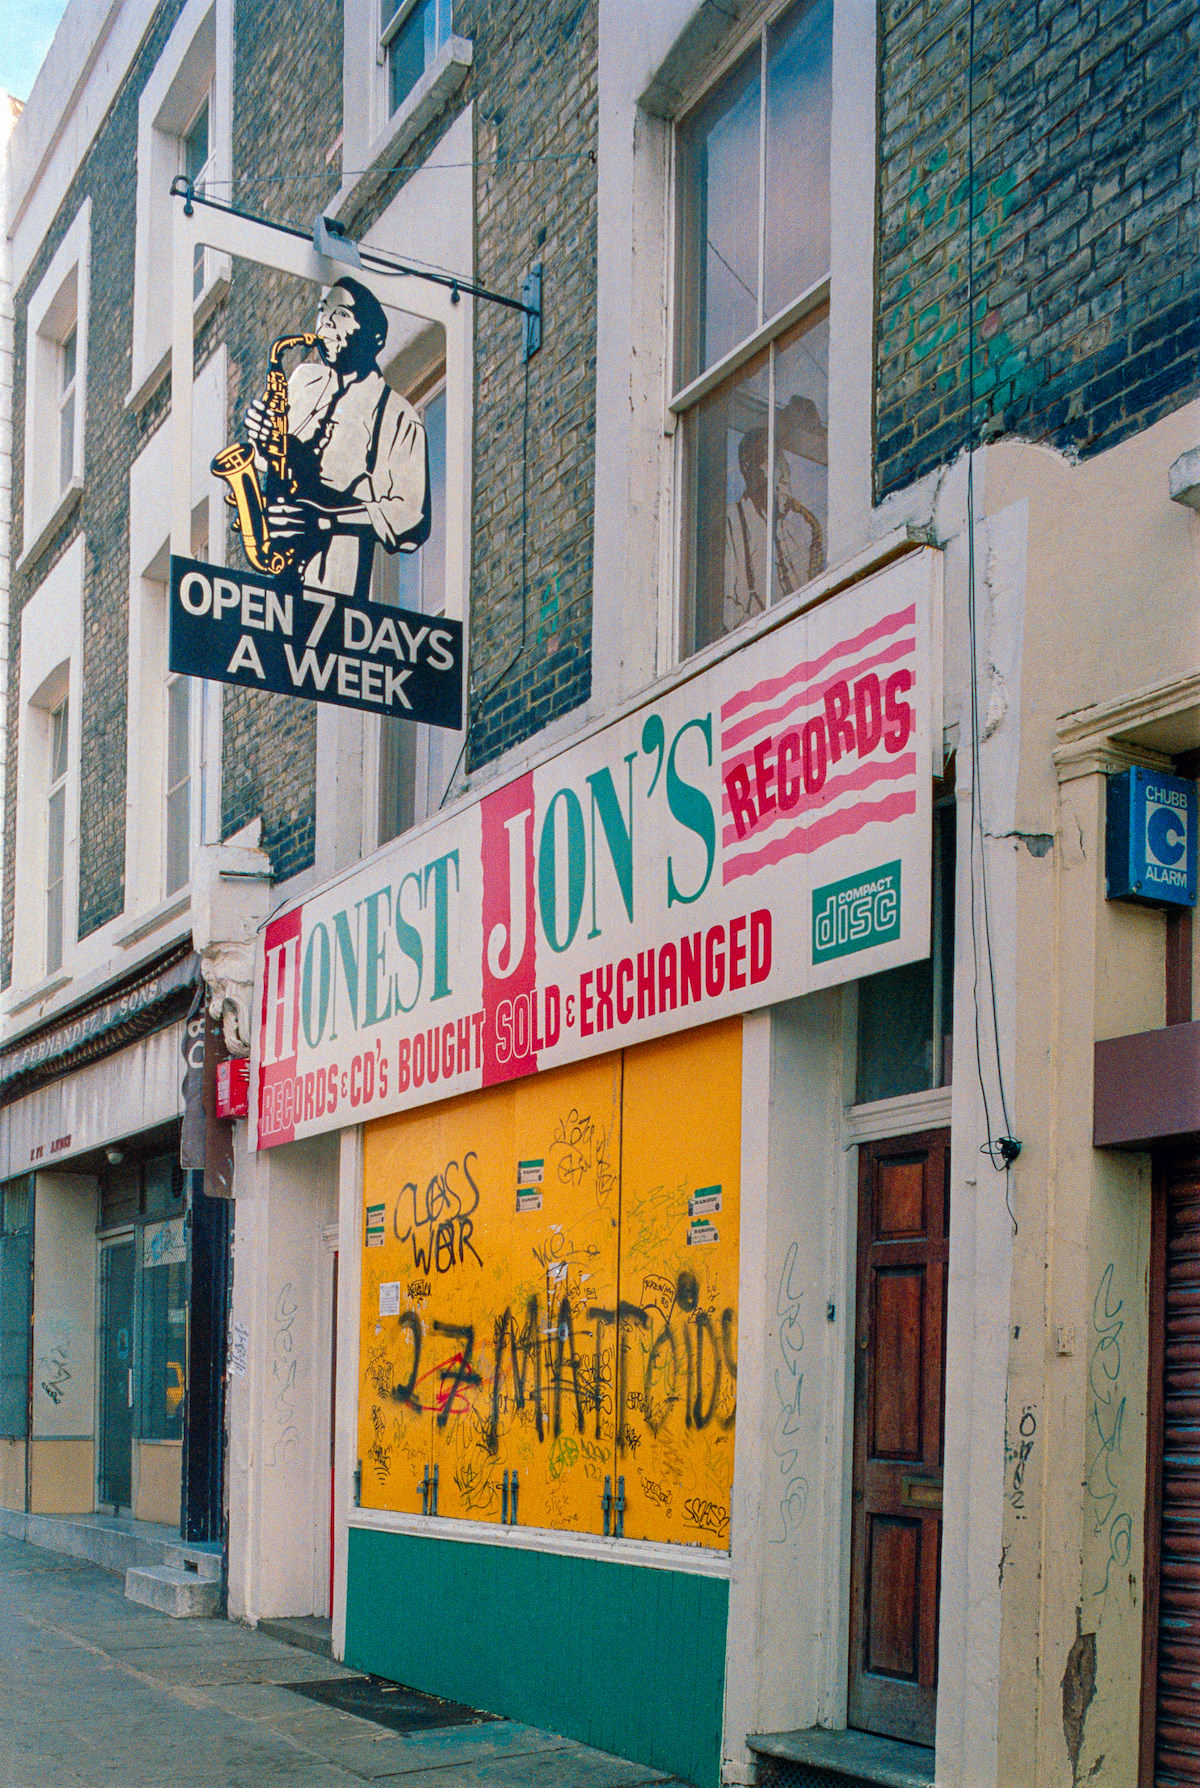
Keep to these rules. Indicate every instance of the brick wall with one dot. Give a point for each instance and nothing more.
(1087, 224)
(287, 117)
(534, 84)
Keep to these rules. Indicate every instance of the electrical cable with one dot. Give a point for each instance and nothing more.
(433, 167)
(1001, 1150)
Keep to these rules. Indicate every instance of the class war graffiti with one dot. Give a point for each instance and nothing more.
(534, 1366)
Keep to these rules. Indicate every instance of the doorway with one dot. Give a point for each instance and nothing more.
(115, 1478)
(899, 1400)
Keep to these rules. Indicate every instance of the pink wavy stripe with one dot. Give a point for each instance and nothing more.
(803, 839)
(815, 692)
(892, 769)
(769, 687)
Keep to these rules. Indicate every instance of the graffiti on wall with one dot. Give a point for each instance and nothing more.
(1110, 1519)
(565, 1314)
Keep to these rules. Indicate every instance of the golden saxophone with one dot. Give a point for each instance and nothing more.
(237, 466)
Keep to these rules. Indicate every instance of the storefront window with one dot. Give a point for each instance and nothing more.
(163, 1302)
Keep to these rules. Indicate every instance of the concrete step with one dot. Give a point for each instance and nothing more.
(112, 1544)
(182, 1594)
(204, 1562)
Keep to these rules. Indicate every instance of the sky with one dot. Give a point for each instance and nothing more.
(27, 29)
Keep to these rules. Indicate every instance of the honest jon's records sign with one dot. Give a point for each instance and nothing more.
(269, 633)
(760, 830)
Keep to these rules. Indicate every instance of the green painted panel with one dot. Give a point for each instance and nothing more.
(628, 1659)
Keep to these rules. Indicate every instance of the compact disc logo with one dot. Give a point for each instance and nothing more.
(1166, 828)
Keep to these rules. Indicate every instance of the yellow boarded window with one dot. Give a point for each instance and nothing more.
(550, 1297)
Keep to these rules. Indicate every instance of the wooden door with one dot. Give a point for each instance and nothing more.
(899, 1395)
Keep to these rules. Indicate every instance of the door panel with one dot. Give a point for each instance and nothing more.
(116, 1374)
(903, 1247)
(680, 1215)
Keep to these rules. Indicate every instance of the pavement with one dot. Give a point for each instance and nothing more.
(98, 1691)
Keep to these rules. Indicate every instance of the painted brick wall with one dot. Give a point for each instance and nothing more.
(1087, 224)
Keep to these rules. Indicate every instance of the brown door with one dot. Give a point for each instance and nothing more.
(899, 1391)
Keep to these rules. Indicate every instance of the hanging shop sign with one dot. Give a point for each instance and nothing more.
(760, 830)
(334, 463)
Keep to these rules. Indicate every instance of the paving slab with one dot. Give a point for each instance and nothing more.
(97, 1693)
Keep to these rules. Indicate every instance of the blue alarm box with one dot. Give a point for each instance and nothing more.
(1150, 838)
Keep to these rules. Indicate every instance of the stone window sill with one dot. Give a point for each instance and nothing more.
(57, 516)
(437, 86)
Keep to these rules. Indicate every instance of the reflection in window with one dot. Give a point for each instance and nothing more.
(416, 762)
(178, 784)
(67, 358)
(906, 1015)
(753, 191)
(196, 157)
(411, 36)
(56, 828)
(162, 1301)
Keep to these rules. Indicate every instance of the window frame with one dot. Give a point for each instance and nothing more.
(193, 71)
(50, 659)
(56, 311)
(58, 765)
(682, 400)
(418, 741)
(376, 134)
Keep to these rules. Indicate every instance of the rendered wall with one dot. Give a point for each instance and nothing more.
(279, 1399)
(64, 1310)
(62, 1477)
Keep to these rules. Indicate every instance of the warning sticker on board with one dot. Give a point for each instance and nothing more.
(531, 1173)
(700, 1231)
(389, 1298)
(529, 1201)
(705, 1201)
(375, 1225)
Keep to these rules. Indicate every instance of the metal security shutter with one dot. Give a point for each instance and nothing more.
(1177, 1748)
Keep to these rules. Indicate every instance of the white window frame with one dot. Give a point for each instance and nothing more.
(684, 400)
(688, 70)
(57, 307)
(421, 386)
(373, 136)
(195, 68)
(148, 902)
(50, 657)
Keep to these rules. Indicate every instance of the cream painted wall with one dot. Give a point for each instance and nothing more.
(788, 1620)
(12, 1474)
(62, 1477)
(64, 1307)
(279, 1409)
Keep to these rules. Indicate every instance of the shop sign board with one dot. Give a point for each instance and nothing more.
(759, 830)
(263, 632)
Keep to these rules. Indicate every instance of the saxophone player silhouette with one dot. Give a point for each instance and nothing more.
(336, 460)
